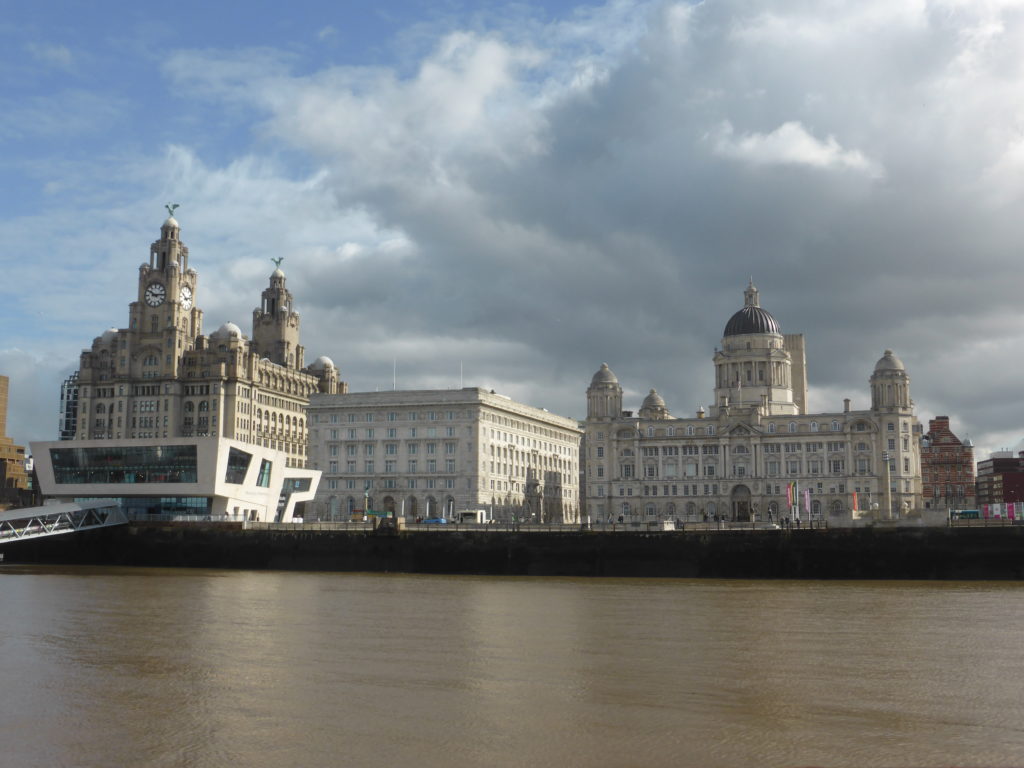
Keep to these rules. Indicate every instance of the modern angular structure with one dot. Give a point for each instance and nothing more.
(756, 455)
(184, 477)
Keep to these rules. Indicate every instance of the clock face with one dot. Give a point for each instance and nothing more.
(186, 297)
(155, 294)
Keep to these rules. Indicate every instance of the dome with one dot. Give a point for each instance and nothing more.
(889, 362)
(228, 329)
(109, 335)
(172, 222)
(604, 376)
(653, 400)
(321, 363)
(751, 319)
(277, 273)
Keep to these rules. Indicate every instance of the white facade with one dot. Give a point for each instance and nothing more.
(745, 458)
(203, 477)
(431, 453)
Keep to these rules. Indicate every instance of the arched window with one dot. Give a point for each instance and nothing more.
(189, 406)
(650, 431)
(837, 507)
(771, 428)
(814, 426)
(689, 431)
(835, 426)
(792, 426)
(651, 510)
(625, 507)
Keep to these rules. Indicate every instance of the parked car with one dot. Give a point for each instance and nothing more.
(435, 521)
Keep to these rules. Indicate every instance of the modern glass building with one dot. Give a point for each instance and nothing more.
(202, 478)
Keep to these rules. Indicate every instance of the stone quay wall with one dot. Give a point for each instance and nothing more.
(864, 553)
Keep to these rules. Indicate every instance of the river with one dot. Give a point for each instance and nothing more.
(159, 667)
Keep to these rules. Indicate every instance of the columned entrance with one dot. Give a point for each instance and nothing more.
(741, 504)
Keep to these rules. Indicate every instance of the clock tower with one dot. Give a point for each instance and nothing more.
(164, 317)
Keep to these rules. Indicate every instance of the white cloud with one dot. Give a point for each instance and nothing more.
(54, 55)
(791, 144)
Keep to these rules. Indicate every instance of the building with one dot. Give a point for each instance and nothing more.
(68, 419)
(755, 455)
(204, 478)
(13, 474)
(429, 453)
(947, 468)
(161, 377)
(1001, 479)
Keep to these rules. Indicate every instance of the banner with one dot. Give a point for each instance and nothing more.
(807, 501)
(1011, 508)
(855, 501)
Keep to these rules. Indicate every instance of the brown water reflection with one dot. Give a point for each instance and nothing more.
(206, 668)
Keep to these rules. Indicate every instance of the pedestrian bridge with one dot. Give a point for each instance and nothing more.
(58, 519)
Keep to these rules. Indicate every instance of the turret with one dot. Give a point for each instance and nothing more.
(604, 395)
(275, 324)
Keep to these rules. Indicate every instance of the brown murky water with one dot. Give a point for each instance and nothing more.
(140, 667)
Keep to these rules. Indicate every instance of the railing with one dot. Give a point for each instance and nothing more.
(38, 522)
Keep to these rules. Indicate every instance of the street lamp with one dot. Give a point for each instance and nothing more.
(888, 486)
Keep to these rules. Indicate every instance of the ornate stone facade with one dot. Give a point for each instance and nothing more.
(161, 377)
(740, 461)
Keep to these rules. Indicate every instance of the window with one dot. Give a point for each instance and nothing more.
(238, 466)
(792, 426)
(771, 428)
(835, 426)
(266, 467)
(600, 451)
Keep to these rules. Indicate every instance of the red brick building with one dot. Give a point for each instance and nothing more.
(947, 468)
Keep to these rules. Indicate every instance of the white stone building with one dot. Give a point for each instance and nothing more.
(757, 455)
(430, 453)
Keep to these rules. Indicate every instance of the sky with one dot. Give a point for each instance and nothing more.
(507, 195)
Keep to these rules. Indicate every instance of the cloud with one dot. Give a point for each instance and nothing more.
(790, 144)
(54, 55)
(527, 197)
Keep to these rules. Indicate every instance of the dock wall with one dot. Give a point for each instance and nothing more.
(911, 553)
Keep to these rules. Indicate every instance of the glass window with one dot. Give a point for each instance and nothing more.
(263, 481)
(238, 466)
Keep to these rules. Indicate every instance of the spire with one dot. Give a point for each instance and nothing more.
(750, 298)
